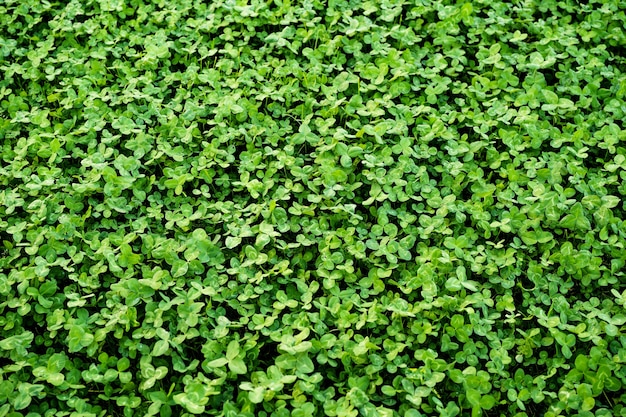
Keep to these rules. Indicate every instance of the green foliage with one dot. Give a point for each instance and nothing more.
(283, 208)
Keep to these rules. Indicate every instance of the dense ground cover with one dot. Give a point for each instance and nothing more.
(306, 208)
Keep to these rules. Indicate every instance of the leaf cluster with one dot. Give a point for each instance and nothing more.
(280, 208)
